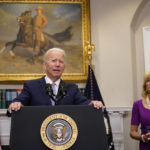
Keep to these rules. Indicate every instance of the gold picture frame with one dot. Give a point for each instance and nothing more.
(68, 28)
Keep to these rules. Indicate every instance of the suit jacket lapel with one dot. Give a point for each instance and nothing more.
(43, 90)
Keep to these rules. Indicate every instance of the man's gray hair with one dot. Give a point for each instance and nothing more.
(54, 50)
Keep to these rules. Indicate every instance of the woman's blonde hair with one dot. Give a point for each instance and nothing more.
(146, 78)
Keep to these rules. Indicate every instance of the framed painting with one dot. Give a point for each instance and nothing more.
(67, 26)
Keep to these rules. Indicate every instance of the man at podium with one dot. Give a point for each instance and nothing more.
(50, 89)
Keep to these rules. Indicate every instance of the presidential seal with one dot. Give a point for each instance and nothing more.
(59, 131)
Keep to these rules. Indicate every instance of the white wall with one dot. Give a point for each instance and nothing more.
(111, 33)
(142, 21)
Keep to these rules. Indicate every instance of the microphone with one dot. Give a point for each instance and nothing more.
(61, 92)
(49, 90)
(60, 95)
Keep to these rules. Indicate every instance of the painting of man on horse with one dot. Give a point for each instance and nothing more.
(30, 30)
(31, 35)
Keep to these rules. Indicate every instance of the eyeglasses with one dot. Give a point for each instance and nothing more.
(56, 61)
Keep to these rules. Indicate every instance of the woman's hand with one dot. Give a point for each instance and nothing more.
(146, 137)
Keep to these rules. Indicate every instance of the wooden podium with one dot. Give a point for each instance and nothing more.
(26, 127)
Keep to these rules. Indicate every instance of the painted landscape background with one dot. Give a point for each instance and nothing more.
(64, 29)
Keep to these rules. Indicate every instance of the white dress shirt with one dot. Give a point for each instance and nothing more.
(48, 80)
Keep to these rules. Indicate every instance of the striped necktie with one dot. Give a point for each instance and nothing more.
(54, 92)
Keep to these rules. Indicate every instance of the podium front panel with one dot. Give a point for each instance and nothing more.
(26, 124)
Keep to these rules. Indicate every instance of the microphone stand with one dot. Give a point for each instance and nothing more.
(61, 93)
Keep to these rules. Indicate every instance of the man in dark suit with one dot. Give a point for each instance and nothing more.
(41, 91)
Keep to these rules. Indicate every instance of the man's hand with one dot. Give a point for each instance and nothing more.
(15, 106)
(97, 104)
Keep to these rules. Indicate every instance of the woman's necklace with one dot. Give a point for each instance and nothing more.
(148, 101)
